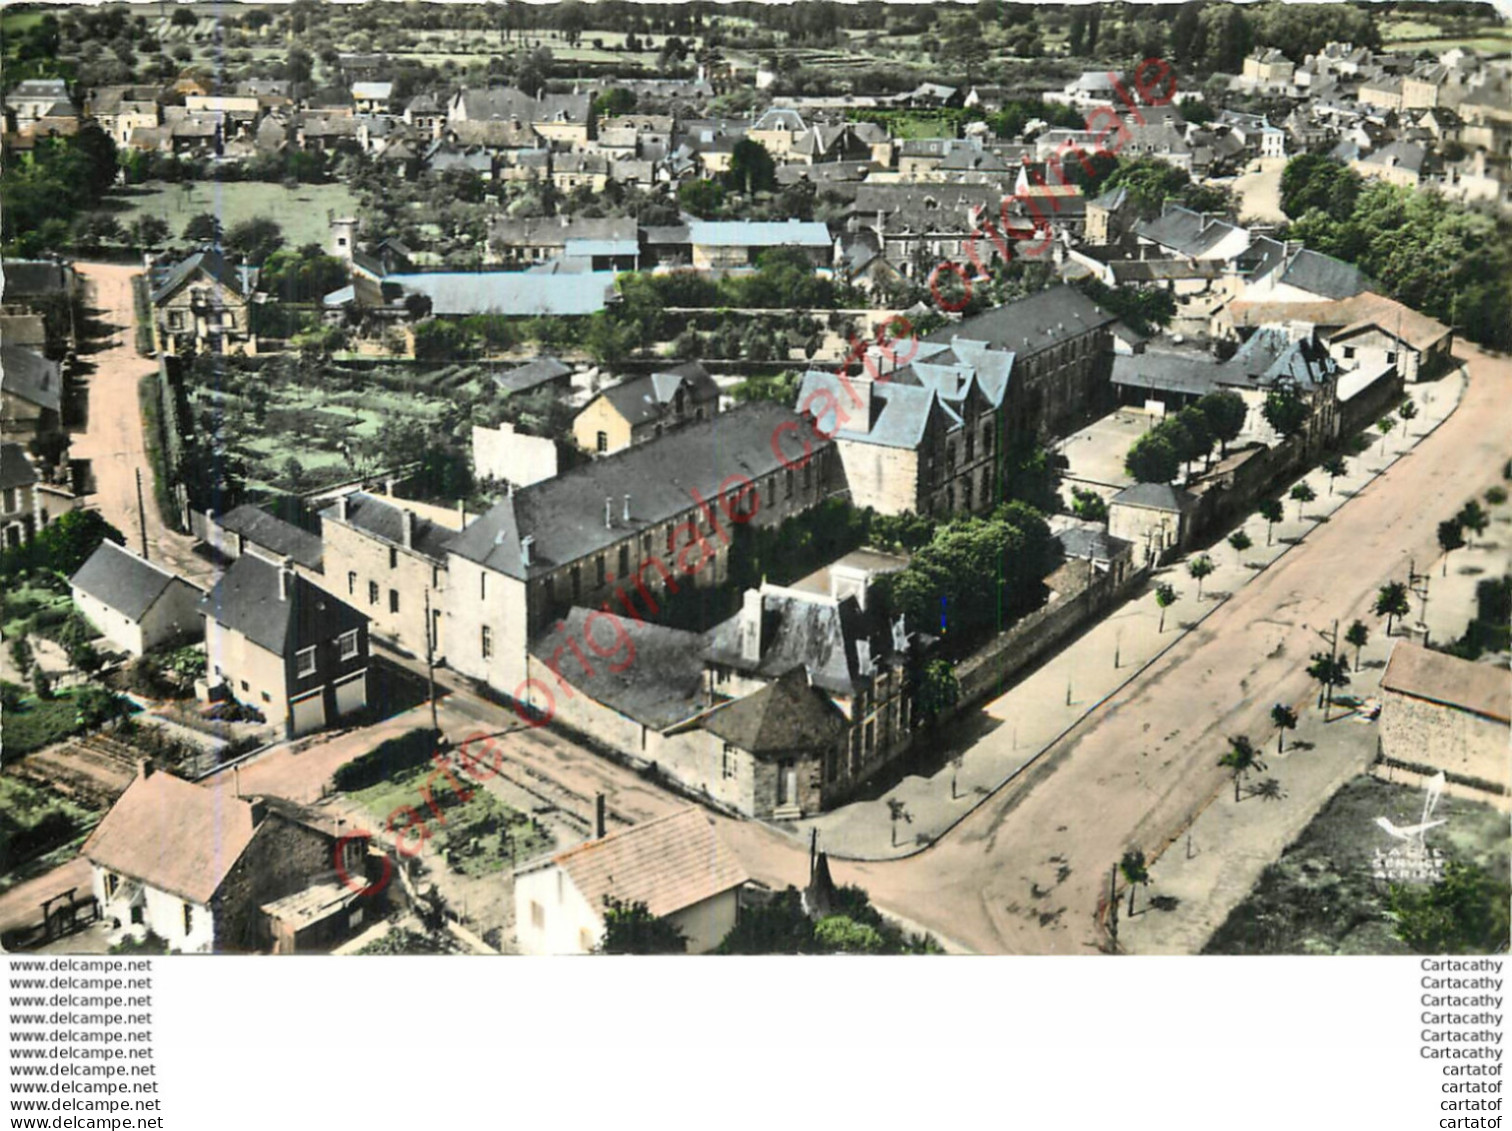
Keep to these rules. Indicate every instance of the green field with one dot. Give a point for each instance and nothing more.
(300, 211)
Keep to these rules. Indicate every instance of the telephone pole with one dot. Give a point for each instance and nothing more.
(142, 515)
(430, 662)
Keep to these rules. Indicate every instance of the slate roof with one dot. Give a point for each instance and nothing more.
(30, 376)
(173, 835)
(1482, 689)
(662, 683)
(641, 399)
(35, 278)
(900, 412)
(783, 717)
(669, 864)
(1185, 232)
(1155, 496)
(273, 534)
(511, 292)
(1269, 357)
(1092, 543)
(385, 521)
(565, 515)
(805, 630)
(1324, 275)
(211, 262)
(532, 375)
(1032, 324)
(122, 581)
(1352, 315)
(15, 469)
(246, 600)
(509, 102)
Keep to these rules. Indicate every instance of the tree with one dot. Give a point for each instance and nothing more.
(1466, 912)
(1304, 494)
(1226, 413)
(96, 705)
(1200, 567)
(1392, 601)
(1165, 597)
(1333, 467)
(63, 545)
(203, 228)
(1241, 542)
(897, 811)
(147, 232)
(630, 928)
(1152, 459)
(184, 17)
(1241, 758)
(1286, 411)
(1473, 517)
(1451, 536)
(254, 239)
(1358, 635)
(1384, 426)
(752, 169)
(1285, 719)
(1271, 511)
(703, 198)
(939, 689)
(1407, 412)
(1135, 871)
(1331, 672)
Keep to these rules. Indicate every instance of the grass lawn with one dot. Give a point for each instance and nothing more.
(39, 723)
(35, 820)
(1321, 896)
(469, 833)
(27, 600)
(300, 211)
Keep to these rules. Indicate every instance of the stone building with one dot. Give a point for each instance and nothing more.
(21, 511)
(203, 304)
(643, 408)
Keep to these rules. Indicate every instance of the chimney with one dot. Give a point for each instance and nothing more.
(750, 626)
(388, 486)
(341, 507)
(145, 768)
(236, 781)
(259, 809)
(526, 544)
(859, 414)
(625, 516)
(599, 816)
(285, 578)
(408, 521)
(864, 656)
(609, 512)
(462, 514)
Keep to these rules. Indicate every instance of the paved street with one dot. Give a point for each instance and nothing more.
(113, 439)
(1025, 872)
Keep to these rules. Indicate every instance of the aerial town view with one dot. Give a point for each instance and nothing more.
(740, 478)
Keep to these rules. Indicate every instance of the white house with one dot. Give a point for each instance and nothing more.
(137, 604)
(676, 865)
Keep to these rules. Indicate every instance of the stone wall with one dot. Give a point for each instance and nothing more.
(1470, 749)
(281, 859)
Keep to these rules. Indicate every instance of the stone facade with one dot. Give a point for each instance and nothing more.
(283, 857)
(207, 316)
(390, 582)
(1469, 748)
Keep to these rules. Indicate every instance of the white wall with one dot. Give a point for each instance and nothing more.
(565, 914)
(503, 453)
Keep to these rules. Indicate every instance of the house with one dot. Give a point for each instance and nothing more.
(1403, 163)
(740, 243)
(31, 395)
(138, 605)
(390, 562)
(542, 374)
(121, 109)
(31, 101)
(202, 304)
(1440, 713)
(21, 512)
(1180, 232)
(562, 119)
(1301, 275)
(1367, 330)
(1153, 516)
(199, 867)
(1268, 67)
(372, 97)
(1108, 217)
(248, 529)
(631, 528)
(675, 865)
(642, 408)
(282, 646)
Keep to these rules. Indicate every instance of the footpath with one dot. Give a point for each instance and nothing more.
(987, 749)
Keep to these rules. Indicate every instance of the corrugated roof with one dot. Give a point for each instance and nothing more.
(1482, 689)
(669, 864)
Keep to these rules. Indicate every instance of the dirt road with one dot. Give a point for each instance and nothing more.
(113, 440)
(1024, 874)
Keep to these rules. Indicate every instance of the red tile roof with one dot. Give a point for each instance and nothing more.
(670, 863)
(1482, 689)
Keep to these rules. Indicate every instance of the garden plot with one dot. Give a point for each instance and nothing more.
(300, 211)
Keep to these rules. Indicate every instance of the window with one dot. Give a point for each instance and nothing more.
(348, 641)
(393, 600)
(435, 577)
(244, 686)
(808, 475)
(487, 642)
(787, 483)
(1390, 360)
(112, 884)
(10, 500)
(304, 661)
(266, 698)
(727, 761)
(482, 585)
(576, 573)
(603, 442)
(537, 916)
(393, 558)
(598, 568)
(372, 592)
(351, 583)
(1349, 352)
(624, 559)
(188, 918)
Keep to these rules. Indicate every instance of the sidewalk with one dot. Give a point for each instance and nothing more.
(998, 743)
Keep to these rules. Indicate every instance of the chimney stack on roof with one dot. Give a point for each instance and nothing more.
(407, 519)
(527, 543)
(625, 516)
(341, 507)
(609, 512)
(285, 578)
(145, 767)
(750, 626)
(600, 816)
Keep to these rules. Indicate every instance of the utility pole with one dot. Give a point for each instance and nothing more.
(1333, 659)
(142, 515)
(430, 662)
(1113, 903)
(1417, 584)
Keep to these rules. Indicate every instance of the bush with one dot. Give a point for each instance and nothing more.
(387, 760)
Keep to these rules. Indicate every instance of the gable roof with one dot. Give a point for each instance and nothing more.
(788, 715)
(30, 376)
(641, 399)
(1324, 275)
(669, 864)
(271, 533)
(173, 835)
(15, 468)
(246, 600)
(1155, 496)
(532, 375)
(1031, 324)
(123, 581)
(1481, 689)
(385, 521)
(210, 262)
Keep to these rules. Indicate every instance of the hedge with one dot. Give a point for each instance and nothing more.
(387, 760)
